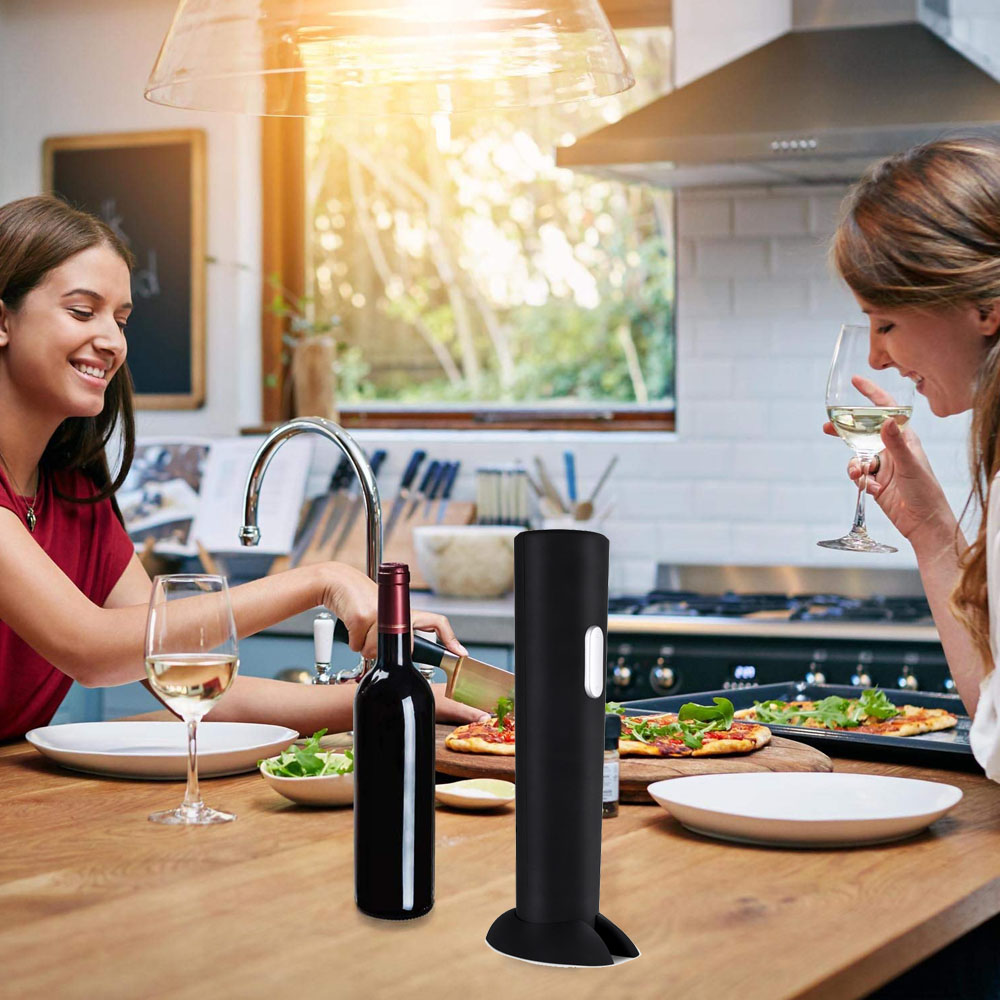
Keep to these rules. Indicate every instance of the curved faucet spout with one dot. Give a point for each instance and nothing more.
(250, 533)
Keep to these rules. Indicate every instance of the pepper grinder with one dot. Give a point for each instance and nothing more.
(323, 647)
(560, 622)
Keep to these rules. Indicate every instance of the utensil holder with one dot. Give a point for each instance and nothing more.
(560, 623)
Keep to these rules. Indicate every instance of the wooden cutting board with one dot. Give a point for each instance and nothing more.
(636, 772)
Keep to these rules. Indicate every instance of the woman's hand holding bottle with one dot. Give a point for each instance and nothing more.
(353, 598)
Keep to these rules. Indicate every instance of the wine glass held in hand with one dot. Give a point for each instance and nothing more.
(191, 660)
(858, 418)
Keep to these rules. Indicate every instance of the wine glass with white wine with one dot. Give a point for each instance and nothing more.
(858, 417)
(191, 660)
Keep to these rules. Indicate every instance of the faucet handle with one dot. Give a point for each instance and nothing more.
(323, 637)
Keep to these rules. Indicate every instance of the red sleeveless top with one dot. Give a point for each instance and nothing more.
(88, 543)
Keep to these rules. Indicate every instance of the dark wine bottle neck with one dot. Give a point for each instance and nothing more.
(394, 649)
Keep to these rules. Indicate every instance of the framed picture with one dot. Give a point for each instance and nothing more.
(149, 187)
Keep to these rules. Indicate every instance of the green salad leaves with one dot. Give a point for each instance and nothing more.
(693, 721)
(309, 761)
(832, 711)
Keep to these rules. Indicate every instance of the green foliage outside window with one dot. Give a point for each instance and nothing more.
(464, 267)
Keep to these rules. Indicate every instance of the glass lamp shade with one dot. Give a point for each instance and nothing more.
(378, 57)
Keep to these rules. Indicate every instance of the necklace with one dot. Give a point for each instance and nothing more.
(31, 519)
(29, 515)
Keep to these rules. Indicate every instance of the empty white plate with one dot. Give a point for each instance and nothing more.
(159, 749)
(805, 809)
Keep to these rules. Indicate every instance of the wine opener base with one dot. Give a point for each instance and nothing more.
(572, 943)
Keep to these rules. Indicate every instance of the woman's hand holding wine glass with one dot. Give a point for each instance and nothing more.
(905, 487)
(858, 415)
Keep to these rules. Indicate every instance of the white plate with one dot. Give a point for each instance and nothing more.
(159, 749)
(325, 790)
(476, 793)
(805, 809)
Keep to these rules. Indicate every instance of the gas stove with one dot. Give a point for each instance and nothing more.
(705, 628)
(775, 607)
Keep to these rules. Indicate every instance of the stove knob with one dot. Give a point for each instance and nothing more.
(861, 677)
(906, 681)
(621, 673)
(815, 674)
(662, 677)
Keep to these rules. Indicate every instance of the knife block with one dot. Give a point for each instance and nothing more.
(560, 623)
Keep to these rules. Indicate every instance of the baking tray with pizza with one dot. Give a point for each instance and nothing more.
(906, 727)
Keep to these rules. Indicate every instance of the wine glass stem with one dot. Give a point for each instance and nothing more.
(192, 795)
(858, 527)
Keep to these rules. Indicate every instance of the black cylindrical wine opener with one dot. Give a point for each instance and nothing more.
(560, 623)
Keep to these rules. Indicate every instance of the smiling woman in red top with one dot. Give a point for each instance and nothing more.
(73, 593)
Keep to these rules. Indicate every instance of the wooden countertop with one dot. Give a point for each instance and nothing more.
(97, 902)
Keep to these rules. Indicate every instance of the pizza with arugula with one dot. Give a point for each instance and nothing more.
(694, 731)
(870, 713)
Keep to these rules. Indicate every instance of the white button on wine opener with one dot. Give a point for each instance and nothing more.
(594, 663)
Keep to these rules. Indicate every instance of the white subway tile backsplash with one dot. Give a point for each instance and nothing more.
(735, 337)
(696, 542)
(685, 259)
(830, 297)
(774, 379)
(705, 216)
(786, 297)
(685, 460)
(731, 500)
(797, 419)
(732, 257)
(726, 421)
(765, 543)
(771, 216)
(824, 210)
(798, 503)
(633, 539)
(653, 501)
(798, 337)
(799, 256)
(704, 379)
(698, 298)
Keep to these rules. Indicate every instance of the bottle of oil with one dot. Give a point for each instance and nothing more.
(612, 733)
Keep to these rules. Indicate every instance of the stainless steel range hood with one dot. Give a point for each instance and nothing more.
(811, 106)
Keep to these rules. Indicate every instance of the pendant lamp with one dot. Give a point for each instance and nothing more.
(379, 57)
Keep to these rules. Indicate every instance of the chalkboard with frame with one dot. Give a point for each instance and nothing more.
(150, 188)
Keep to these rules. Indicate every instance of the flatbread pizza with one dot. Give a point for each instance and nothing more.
(695, 731)
(870, 713)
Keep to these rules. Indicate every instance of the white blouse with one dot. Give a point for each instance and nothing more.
(985, 733)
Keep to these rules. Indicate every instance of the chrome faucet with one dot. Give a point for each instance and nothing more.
(250, 533)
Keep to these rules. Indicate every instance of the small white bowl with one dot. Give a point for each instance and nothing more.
(328, 790)
(466, 560)
(476, 793)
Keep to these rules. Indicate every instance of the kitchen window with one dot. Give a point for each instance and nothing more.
(467, 281)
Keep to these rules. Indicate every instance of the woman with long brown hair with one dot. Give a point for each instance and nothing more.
(73, 593)
(918, 243)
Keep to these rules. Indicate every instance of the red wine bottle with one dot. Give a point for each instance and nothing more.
(394, 767)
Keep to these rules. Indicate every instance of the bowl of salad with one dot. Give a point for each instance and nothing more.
(310, 776)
